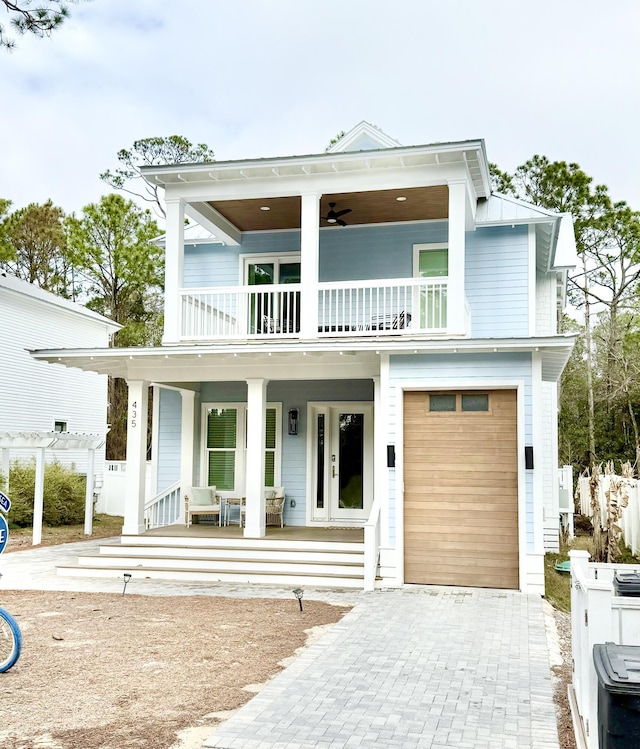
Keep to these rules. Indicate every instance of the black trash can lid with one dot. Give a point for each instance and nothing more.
(618, 667)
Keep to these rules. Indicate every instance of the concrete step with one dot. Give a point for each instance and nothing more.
(215, 564)
(241, 543)
(242, 551)
(301, 577)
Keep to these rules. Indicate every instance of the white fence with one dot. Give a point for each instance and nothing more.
(597, 616)
(630, 518)
(111, 497)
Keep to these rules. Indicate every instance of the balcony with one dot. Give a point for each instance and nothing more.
(403, 306)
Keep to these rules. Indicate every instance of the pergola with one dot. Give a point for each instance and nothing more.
(38, 442)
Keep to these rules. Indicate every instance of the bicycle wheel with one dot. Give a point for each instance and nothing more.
(10, 640)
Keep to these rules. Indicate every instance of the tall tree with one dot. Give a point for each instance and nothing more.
(40, 20)
(565, 188)
(33, 246)
(153, 152)
(111, 246)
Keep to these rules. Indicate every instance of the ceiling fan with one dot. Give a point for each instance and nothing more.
(333, 217)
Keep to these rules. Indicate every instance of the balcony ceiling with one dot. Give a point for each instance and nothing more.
(375, 207)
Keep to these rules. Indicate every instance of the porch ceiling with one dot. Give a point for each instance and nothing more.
(375, 207)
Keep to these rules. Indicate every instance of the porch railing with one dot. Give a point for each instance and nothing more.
(165, 508)
(353, 308)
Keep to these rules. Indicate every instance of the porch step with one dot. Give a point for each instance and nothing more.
(236, 576)
(233, 560)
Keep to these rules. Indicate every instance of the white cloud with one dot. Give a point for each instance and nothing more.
(252, 79)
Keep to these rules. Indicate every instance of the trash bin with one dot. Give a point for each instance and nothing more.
(627, 583)
(618, 671)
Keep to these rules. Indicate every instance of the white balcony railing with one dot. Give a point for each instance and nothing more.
(354, 308)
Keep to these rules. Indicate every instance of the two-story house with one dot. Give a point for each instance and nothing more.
(375, 331)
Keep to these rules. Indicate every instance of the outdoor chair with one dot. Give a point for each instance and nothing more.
(202, 500)
(274, 501)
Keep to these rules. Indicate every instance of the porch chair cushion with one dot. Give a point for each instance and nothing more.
(202, 500)
(275, 505)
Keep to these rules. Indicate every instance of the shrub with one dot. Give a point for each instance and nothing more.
(64, 494)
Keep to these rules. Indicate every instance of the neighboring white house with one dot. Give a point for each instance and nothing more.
(38, 397)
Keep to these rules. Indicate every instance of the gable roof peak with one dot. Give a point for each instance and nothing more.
(363, 137)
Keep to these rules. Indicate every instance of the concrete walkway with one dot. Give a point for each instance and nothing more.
(422, 667)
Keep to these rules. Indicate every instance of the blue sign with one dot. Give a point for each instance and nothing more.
(4, 533)
(5, 502)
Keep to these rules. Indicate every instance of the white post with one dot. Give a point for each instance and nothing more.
(455, 293)
(6, 466)
(186, 443)
(380, 470)
(254, 480)
(173, 269)
(136, 457)
(310, 252)
(88, 497)
(38, 499)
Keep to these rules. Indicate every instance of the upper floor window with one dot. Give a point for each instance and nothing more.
(60, 426)
(431, 261)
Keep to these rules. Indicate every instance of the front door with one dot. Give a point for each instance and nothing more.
(343, 470)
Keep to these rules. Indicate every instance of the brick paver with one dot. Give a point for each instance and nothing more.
(423, 668)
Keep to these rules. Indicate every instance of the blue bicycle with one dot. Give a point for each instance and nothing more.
(10, 635)
(10, 641)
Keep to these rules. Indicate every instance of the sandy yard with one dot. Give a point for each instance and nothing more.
(105, 671)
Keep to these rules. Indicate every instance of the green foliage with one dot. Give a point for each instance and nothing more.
(111, 246)
(64, 494)
(174, 149)
(335, 139)
(33, 246)
(40, 21)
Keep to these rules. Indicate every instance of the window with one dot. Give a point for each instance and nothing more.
(458, 402)
(225, 447)
(442, 402)
(60, 426)
(475, 402)
(431, 261)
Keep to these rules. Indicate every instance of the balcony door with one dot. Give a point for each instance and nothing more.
(430, 309)
(273, 311)
(342, 451)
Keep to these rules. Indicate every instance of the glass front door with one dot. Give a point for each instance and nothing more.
(343, 453)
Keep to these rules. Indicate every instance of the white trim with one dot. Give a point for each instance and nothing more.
(532, 285)
(517, 384)
(155, 423)
(383, 423)
(418, 248)
(538, 451)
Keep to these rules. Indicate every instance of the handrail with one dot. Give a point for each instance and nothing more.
(165, 508)
(372, 545)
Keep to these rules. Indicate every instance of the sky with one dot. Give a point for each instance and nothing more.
(253, 79)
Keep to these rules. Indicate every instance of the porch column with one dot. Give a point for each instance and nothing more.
(310, 252)
(173, 269)
(187, 442)
(88, 496)
(380, 469)
(136, 457)
(38, 498)
(456, 316)
(254, 471)
(6, 465)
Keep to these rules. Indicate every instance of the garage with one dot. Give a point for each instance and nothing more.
(461, 488)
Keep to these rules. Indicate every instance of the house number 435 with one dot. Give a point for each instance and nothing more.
(133, 414)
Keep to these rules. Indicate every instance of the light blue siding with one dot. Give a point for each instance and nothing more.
(294, 448)
(170, 418)
(471, 369)
(351, 253)
(370, 252)
(496, 281)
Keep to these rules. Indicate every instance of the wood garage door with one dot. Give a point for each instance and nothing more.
(461, 489)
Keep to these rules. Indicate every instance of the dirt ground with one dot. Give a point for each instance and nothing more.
(562, 679)
(104, 671)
